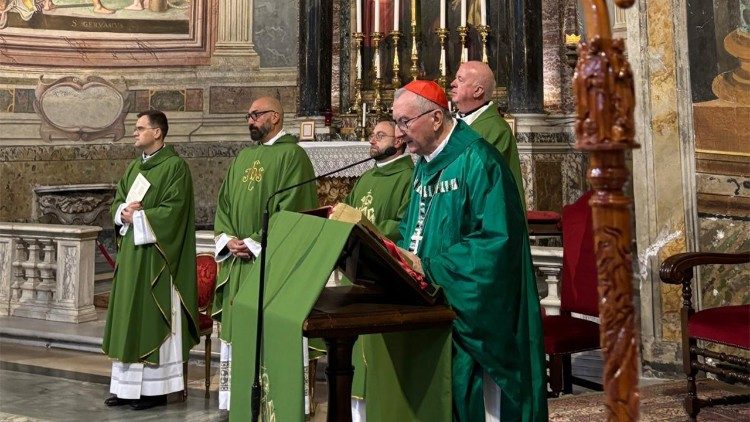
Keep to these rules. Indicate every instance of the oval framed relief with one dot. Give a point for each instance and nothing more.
(81, 109)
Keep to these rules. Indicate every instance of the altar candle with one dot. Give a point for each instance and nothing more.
(359, 65)
(442, 13)
(463, 12)
(396, 13)
(364, 114)
(359, 15)
(377, 15)
(413, 12)
(483, 11)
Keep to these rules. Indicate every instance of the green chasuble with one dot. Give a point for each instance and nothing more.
(495, 130)
(302, 252)
(382, 194)
(466, 223)
(139, 317)
(256, 173)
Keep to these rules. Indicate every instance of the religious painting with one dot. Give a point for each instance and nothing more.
(105, 32)
(719, 56)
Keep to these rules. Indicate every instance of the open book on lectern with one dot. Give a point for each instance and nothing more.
(368, 261)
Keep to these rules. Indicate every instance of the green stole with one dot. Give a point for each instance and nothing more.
(139, 313)
(302, 252)
(466, 223)
(382, 194)
(256, 173)
(495, 130)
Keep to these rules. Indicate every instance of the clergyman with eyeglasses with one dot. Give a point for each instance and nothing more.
(275, 162)
(465, 230)
(382, 192)
(152, 313)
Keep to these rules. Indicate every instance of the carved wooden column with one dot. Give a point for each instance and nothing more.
(235, 31)
(603, 85)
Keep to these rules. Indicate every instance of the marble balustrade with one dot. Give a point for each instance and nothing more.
(47, 271)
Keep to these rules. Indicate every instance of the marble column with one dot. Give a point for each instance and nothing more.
(526, 64)
(315, 56)
(235, 35)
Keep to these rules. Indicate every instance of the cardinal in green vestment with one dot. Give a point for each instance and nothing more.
(471, 91)
(152, 313)
(255, 174)
(465, 230)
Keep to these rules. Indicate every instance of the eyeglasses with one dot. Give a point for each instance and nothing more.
(255, 115)
(403, 124)
(141, 129)
(380, 136)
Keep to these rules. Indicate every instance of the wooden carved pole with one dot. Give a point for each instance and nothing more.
(603, 85)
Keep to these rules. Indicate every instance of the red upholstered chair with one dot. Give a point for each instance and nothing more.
(565, 334)
(206, 270)
(724, 325)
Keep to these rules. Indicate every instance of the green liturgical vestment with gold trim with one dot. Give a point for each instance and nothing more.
(139, 314)
(382, 194)
(494, 129)
(302, 252)
(256, 173)
(466, 223)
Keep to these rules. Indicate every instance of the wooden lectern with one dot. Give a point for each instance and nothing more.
(384, 298)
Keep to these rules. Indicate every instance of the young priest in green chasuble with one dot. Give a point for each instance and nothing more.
(382, 193)
(257, 172)
(465, 229)
(152, 313)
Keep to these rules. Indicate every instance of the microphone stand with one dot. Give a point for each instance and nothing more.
(255, 397)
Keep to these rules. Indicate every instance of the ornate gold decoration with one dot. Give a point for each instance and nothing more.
(377, 82)
(484, 31)
(396, 79)
(463, 32)
(442, 34)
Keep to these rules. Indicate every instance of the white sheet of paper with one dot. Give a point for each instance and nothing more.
(138, 190)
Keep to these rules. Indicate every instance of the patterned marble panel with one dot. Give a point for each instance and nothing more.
(194, 100)
(24, 100)
(167, 100)
(6, 100)
(546, 137)
(547, 186)
(724, 285)
(552, 45)
(275, 32)
(237, 99)
(142, 99)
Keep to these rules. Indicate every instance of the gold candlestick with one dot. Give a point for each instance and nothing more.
(414, 70)
(358, 37)
(377, 82)
(463, 31)
(442, 34)
(396, 79)
(484, 30)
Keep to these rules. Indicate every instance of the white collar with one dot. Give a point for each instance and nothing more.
(444, 142)
(469, 118)
(271, 141)
(385, 163)
(145, 156)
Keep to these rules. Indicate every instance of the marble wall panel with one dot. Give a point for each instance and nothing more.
(275, 32)
(167, 100)
(23, 101)
(237, 99)
(6, 100)
(727, 284)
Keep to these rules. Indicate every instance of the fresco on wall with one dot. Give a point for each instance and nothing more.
(111, 16)
(719, 55)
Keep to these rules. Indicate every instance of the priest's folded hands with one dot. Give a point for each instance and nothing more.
(239, 249)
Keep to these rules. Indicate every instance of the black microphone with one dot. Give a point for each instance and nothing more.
(262, 281)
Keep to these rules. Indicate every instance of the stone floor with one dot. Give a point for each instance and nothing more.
(53, 371)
